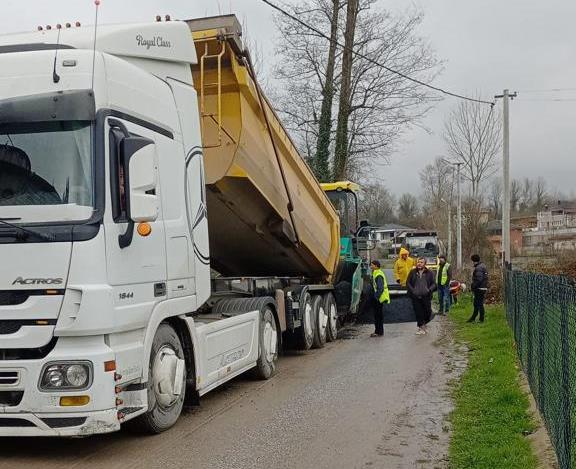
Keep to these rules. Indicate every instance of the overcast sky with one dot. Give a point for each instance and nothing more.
(487, 45)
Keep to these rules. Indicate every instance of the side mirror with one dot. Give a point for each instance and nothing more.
(141, 179)
(363, 228)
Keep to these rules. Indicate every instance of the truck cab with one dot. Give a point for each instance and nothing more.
(103, 229)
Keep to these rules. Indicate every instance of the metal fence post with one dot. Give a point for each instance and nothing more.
(541, 356)
(531, 316)
(567, 430)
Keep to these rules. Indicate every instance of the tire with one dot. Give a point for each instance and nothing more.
(332, 312)
(305, 333)
(268, 345)
(320, 321)
(165, 364)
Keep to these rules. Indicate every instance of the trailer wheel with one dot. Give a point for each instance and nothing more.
(332, 312)
(320, 316)
(305, 333)
(267, 345)
(166, 383)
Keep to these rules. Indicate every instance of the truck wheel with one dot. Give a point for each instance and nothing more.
(305, 333)
(332, 312)
(320, 317)
(267, 345)
(166, 383)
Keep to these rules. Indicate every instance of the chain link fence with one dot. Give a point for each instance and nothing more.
(541, 310)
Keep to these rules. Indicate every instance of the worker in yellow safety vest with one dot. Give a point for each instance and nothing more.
(380, 298)
(443, 278)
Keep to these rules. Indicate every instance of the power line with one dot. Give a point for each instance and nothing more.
(551, 100)
(548, 90)
(375, 62)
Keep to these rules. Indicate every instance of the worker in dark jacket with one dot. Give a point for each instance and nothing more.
(479, 287)
(380, 297)
(421, 284)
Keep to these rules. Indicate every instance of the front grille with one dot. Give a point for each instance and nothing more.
(9, 378)
(11, 326)
(18, 297)
(28, 353)
(13, 298)
(63, 422)
(11, 398)
(15, 423)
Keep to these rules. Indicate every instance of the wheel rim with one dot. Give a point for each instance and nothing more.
(270, 341)
(333, 318)
(322, 321)
(167, 376)
(308, 329)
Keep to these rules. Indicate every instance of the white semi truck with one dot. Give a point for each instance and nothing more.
(159, 233)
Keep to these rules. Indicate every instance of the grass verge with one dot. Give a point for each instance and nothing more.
(491, 416)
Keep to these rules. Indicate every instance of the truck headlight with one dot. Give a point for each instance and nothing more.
(66, 376)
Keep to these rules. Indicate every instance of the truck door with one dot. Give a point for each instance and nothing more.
(137, 271)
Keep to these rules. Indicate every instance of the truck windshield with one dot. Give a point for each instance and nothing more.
(423, 246)
(345, 204)
(46, 171)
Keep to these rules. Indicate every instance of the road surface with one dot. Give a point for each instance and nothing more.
(360, 402)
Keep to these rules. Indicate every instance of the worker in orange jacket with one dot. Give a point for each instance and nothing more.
(403, 265)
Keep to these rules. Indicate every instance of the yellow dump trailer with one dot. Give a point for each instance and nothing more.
(268, 214)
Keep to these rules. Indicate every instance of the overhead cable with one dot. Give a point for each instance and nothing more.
(375, 62)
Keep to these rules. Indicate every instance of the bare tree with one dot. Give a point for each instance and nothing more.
(408, 209)
(322, 160)
(515, 190)
(472, 133)
(437, 182)
(344, 110)
(526, 195)
(382, 105)
(541, 195)
(495, 198)
(377, 204)
(474, 235)
(300, 74)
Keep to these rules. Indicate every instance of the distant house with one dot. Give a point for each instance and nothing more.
(555, 230)
(388, 231)
(559, 216)
(494, 231)
(517, 225)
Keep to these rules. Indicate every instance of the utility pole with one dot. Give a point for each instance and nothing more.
(506, 96)
(449, 253)
(459, 222)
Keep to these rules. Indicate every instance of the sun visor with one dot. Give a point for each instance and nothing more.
(73, 105)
